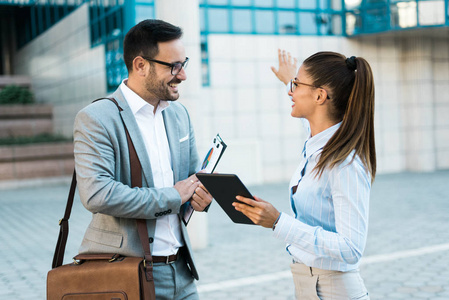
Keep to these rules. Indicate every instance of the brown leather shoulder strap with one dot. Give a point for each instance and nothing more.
(111, 99)
(136, 181)
(58, 257)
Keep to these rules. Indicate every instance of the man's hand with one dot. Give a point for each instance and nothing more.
(259, 211)
(187, 187)
(201, 198)
(287, 67)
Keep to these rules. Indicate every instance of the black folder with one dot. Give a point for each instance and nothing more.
(224, 188)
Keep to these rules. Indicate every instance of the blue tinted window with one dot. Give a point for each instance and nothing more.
(263, 3)
(218, 20)
(202, 20)
(144, 12)
(241, 20)
(217, 2)
(241, 2)
(307, 23)
(286, 22)
(324, 4)
(336, 25)
(286, 3)
(336, 5)
(307, 4)
(264, 21)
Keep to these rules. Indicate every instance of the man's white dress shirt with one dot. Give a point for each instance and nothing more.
(167, 237)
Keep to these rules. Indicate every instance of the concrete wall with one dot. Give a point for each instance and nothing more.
(250, 108)
(65, 71)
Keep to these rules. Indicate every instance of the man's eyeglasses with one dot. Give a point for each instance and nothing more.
(295, 82)
(175, 67)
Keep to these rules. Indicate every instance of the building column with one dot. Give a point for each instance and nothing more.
(417, 107)
(185, 14)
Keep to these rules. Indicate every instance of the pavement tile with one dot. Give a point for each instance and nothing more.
(407, 211)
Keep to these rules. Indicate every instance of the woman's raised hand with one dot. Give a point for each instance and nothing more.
(288, 67)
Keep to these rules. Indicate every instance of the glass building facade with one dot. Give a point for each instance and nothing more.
(110, 19)
(376, 16)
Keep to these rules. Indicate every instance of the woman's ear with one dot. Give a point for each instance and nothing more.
(321, 96)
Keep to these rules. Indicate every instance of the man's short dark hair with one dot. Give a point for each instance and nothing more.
(144, 37)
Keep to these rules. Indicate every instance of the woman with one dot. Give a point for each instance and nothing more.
(329, 192)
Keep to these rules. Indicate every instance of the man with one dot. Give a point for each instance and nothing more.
(164, 140)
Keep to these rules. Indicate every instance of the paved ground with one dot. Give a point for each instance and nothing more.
(407, 255)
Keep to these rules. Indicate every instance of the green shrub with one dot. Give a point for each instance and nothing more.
(41, 138)
(13, 94)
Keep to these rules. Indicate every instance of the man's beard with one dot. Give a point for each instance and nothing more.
(161, 89)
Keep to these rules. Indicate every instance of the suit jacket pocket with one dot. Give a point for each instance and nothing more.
(107, 238)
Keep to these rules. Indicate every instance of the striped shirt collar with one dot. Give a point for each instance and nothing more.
(318, 141)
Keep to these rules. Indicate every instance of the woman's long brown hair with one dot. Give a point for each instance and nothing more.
(352, 102)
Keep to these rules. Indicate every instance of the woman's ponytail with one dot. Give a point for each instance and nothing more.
(351, 85)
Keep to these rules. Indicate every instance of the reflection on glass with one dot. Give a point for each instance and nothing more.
(144, 12)
(307, 23)
(350, 24)
(241, 20)
(351, 4)
(241, 2)
(115, 67)
(324, 22)
(286, 3)
(217, 2)
(376, 19)
(336, 4)
(263, 3)
(324, 4)
(307, 4)
(264, 21)
(431, 12)
(286, 22)
(218, 20)
(204, 61)
(202, 19)
(336, 25)
(404, 14)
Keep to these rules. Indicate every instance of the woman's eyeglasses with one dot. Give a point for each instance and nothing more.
(295, 82)
(175, 67)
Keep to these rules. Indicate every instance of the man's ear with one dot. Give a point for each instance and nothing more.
(139, 66)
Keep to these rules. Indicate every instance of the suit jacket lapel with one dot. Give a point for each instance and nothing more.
(134, 132)
(171, 128)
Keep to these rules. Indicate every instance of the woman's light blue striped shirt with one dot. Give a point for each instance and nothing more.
(330, 229)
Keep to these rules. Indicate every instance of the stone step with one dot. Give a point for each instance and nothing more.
(19, 80)
(36, 160)
(25, 120)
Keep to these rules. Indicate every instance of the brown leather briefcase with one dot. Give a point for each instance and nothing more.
(103, 276)
(99, 277)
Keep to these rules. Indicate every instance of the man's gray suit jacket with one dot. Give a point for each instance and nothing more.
(104, 176)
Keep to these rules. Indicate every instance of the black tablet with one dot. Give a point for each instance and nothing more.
(224, 188)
